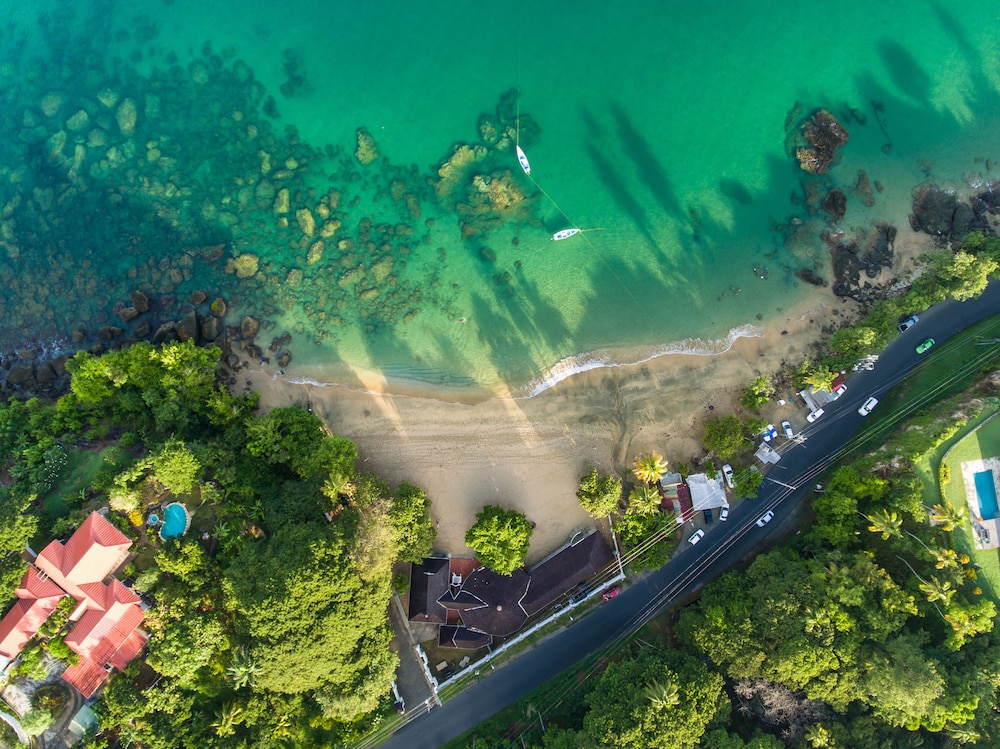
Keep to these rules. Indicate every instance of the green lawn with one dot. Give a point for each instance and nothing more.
(970, 444)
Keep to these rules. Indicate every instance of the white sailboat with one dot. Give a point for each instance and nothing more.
(566, 234)
(523, 160)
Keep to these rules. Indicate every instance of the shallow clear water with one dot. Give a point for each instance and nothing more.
(663, 127)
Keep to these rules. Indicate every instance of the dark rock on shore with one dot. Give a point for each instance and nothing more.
(940, 213)
(850, 260)
(810, 276)
(21, 375)
(211, 328)
(187, 327)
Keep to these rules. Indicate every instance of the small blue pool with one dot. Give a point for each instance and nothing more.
(175, 521)
(987, 492)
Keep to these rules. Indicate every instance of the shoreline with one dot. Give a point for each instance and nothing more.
(529, 453)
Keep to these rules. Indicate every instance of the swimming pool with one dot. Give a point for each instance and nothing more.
(986, 491)
(175, 521)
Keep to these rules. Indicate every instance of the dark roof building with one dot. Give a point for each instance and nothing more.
(429, 581)
(566, 569)
(488, 604)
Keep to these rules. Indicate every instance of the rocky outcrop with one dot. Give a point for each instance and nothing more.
(810, 277)
(824, 135)
(835, 203)
(933, 210)
(21, 375)
(187, 328)
(851, 258)
(249, 326)
(140, 301)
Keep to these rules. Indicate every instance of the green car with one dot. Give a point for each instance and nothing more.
(925, 346)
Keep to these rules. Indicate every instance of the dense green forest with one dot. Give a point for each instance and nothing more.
(268, 620)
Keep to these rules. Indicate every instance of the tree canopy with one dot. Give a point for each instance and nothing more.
(500, 538)
(599, 495)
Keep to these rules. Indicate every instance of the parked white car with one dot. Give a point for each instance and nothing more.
(868, 406)
(786, 427)
(727, 471)
(697, 536)
(908, 323)
(814, 415)
(765, 518)
(724, 513)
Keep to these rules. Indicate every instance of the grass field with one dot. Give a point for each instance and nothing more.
(973, 443)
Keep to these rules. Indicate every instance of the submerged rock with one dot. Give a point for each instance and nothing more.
(835, 203)
(367, 151)
(933, 210)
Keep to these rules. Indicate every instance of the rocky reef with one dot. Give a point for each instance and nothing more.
(817, 140)
(866, 253)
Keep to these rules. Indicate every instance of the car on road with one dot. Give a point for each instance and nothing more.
(765, 518)
(908, 323)
(815, 415)
(786, 427)
(613, 593)
(727, 471)
(698, 535)
(925, 346)
(868, 406)
(724, 513)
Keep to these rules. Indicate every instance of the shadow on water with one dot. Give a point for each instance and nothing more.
(651, 172)
(734, 190)
(905, 71)
(620, 193)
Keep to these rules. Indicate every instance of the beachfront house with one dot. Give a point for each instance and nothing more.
(472, 604)
(104, 624)
(706, 494)
(817, 399)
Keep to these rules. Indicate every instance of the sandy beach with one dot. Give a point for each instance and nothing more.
(530, 453)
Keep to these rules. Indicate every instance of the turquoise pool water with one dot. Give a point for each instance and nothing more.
(175, 521)
(987, 493)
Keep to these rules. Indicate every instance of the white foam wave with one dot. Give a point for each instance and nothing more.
(596, 360)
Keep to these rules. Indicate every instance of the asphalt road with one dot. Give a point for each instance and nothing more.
(724, 545)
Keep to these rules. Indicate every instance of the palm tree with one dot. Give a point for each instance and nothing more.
(336, 486)
(962, 623)
(644, 499)
(936, 590)
(649, 467)
(820, 378)
(226, 719)
(948, 516)
(819, 737)
(662, 696)
(819, 623)
(887, 523)
(962, 734)
(243, 669)
(945, 558)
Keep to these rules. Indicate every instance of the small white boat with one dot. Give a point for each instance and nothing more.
(565, 234)
(523, 159)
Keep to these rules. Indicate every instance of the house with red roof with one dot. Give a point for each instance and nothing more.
(104, 626)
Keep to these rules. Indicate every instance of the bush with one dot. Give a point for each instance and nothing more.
(945, 473)
(36, 721)
(500, 538)
(757, 393)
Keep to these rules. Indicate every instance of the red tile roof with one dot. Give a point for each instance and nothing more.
(37, 599)
(92, 553)
(86, 676)
(106, 620)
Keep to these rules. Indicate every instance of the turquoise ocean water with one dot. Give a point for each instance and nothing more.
(662, 126)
